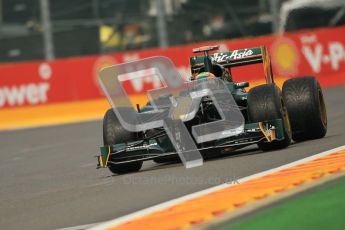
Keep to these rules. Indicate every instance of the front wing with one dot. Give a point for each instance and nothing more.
(148, 149)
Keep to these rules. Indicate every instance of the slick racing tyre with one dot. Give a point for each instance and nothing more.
(114, 133)
(265, 102)
(306, 108)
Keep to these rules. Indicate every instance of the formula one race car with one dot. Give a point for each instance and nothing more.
(273, 117)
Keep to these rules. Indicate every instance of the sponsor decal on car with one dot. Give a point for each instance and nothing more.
(219, 57)
(144, 146)
(238, 54)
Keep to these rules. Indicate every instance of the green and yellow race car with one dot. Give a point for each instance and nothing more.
(272, 117)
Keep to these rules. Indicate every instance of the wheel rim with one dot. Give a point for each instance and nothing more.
(322, 107)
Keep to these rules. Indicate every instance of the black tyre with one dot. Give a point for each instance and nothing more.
(265, 102)
(114, 133)
(306, 107)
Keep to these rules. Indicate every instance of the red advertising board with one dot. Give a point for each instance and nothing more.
(320, 53)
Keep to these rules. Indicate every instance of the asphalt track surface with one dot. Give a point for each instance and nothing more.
(49, 178)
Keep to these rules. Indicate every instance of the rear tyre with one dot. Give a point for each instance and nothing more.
(306, 107)
(265, 102)
(114, 133)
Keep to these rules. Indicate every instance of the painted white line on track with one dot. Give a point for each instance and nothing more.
(80, 227)
(168, 204)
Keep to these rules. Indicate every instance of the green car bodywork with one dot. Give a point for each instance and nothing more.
(147, 147)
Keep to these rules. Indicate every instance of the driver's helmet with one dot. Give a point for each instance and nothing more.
(218, 71)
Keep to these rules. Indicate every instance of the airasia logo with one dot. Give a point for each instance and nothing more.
(31, 93)
(317, 54)
(238, 55)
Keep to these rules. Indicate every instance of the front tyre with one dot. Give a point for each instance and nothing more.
(265, 102)
(306, 107)
(114, 133)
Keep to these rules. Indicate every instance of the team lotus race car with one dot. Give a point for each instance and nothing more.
(272, 117)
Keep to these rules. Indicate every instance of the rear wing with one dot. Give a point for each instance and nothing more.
(236, 58)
